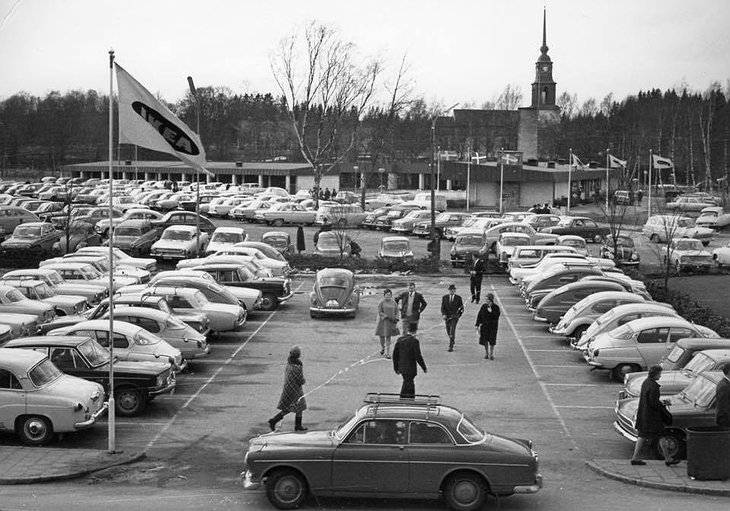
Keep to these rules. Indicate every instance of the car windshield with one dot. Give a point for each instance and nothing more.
(55, 278)
(685, 222)
(13, 296)
(574, 243)
(688, 245)
(227, 237)
(675, 354)
(177, 235)
(333, 281)
(396, 245)
(42, 291)
(27, 232)
(89, 272)
(144, 338)
(473, 241)
(43, 373)
(345, 427)
(277, 241)
(700, 392)
(699, 364)
(94, 352)
(128, 231)
(469, 431)
(172, 323)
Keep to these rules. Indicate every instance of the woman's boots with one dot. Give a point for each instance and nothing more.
(274, 420)
(298, 424)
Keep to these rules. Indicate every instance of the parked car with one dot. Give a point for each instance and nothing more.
(93, 293)
(123, 275)
(693, 407)
(20, 325)
(558, 302)
(452, 455)
(396, 249)
(557, 276)
(333, 244)
(639, 344)
(571, 240)
(687, 203)
(684, 350)
(179, 242)
(265, 248)
(130, 342)
(660, 228)
(275, 267)
(280, 240)
(581, 315)
(12, 216)
(408, 222)
(13, 301)
(80, 235)
(713, 217)
(585, 227)
(39, 401)
(382, 201)
(224, 237)
(542, 221)
(32, 236)
(688, 254)
(221, 209)
(286, 213)
(340, 215)
(385, 221)
(536, 238)
(475, 223)
(135, 383)
(335, 293)
(40, 291)
(531, 255)
(721, 255)
(620, 249)
(122, 259)
(506, 243)
(180, 218)
(135, 237)
(441, 222)
(466, 246)
(247, 210)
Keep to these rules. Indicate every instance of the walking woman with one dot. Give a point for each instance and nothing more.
(487, 325)
(292, 397)
(387, 321)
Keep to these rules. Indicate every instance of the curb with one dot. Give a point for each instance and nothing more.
(685, 488)
(132, 458)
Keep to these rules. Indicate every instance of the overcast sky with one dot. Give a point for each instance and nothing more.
(459, 50)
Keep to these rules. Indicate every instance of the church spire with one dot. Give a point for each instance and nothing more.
(544, 48)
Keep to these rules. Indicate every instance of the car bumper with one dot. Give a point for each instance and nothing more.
(284, 297)
(541, 319)
(695, 266)
(248, 482)
(621, 431)
(335, 312)
(169, 389)
(90, 422)
(530, 488)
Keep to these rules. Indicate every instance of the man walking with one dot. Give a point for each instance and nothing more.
(651, 417)
(478, 266)
(722, 417)
(406, 354)
(452, 307)
(411, 304)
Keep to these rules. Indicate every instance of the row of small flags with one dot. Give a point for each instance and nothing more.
(659, 162)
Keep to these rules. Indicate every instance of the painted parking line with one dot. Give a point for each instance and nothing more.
(574, 385)
(586, 407)
(557, 366)
(210, 380)
(540, 350)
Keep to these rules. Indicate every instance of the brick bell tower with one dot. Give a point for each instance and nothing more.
(543, 88)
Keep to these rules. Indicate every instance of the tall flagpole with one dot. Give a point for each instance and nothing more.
(112, 437)
(501, 180)
(468, 178)
(570, 190)
(607, 177)
(651, 164)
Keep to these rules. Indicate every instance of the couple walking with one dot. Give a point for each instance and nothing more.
(487, 321)
(408, 305)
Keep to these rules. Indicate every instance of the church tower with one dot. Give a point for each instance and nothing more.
(543, 88)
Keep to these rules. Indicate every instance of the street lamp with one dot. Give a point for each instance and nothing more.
(194, 93)
(436, 250)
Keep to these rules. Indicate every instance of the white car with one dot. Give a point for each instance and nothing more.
(689, 254)
(275, 266)
(178, 242)
(506, 243)
(121, 257)
(225, 237)
(713, 217)
(722, 255)
(526, 273)
(660, 228)
(40, 401)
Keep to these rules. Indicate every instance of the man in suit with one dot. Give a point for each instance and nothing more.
(406, 354)
(411, 305)
(722, 417)
(452, 307)
(478, 267)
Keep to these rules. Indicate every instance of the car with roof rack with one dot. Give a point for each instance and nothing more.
(375, 453)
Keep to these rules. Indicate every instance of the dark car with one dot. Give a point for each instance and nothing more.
(136, 237)
(441, 222)
(555, 304)
(80, 234)
(184, 218)
(274, 290)
(585, 227)
(684, 350)
(135, 383)
(32, 236)
(620, 249)
(190, 205)
(385, 221)
(335, 294)
(393, 448)
(369, 221)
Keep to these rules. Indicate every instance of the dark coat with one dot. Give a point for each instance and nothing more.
(723, 403)
(652, 415)
(406, 353)
(300, 239)
(292, 396)
(452, 310)
(418, 304)
(488, 323)
(479, 266)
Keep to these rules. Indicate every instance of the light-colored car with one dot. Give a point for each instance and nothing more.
(571, 240)
(472, 224)
(335, 293)
(713, 217)
(721, 255)
(39, 290)
(40, 401)
(406, 224)
(178, 242)
(131, 342)
(265, 248)
(102, 226)
(536, 238)
(100, 261)
(246, 210)
(689, 254)
(340, 215)
(531, 255)
(526, 273)
(286, 213)
(555, 304)
(225, 237)
(222, 208)
(13, 301)
(121, 258)
(396, 249)
(382, 201)
(93, 293)
(639, 344)
(506, 243)
(333, 244)
(276, 267)
(281, 241)
(581, 315)
(660, 228)
(20, 325)
(687, 203)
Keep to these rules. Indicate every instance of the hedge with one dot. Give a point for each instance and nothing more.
(15, 259)
(689, 308)
(358, 264)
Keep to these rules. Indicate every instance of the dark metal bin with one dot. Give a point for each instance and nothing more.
(708, 453)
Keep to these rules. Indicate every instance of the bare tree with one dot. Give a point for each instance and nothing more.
(568, 104)
(326, 90)
(510, 98)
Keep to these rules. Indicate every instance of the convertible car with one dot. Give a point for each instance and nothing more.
(334, 293)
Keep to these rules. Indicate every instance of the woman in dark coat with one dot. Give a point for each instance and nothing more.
(292, 396)
(651, 417)
(300, 239)
(487, 325)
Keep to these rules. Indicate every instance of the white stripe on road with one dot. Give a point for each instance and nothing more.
(550, 351)
(587, 407)
(574, 385)
(537, 376)
(558, 366)
(209, 381)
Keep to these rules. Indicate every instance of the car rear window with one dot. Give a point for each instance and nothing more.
(44, 373)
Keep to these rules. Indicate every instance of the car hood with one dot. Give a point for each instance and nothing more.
(136, 368)
(175, 244)
(325, 294)
(671, 382)
(287, 440)
(76, 389)
(67, 300)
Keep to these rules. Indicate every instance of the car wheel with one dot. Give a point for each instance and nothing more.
(578, 332)
(655, 238)
(286, 489)
(268, 302)
(129, 402)
(465, 492)
(34, 430)
(674, 445)
(313, 315)
(598, 238)
(277, 223)
(622, 370)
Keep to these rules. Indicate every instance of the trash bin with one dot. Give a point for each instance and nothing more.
(708, 453)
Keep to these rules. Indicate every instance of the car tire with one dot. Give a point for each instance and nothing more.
(269, 302)
(578, 331)
(465, 492)
(34, 430)
(622, 370)
(129, 402)
(286, 489)
(675, 444)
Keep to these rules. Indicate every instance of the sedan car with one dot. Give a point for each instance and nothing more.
(689, 255)
(639, 344)
(558, 303)
(721, 255)
(333, 244)
(13, 301)
(224, 237)
(453, 457)
(93, 293)
(122, 259)
(135, 237)
(280, 240)
(467, 245)
(102, 226)
(585, 227)
(408, 222)
(713, 217)
(661, 228)
(687, 203)
(79, 235)
(39, 290)
(179, 242)
(178, 218)
(506, 244)
(620, 249)
(286, 213)
(571, 240)
(40, 401)
(335, 293)
(396, 249)
(441, 223)
(32, 236)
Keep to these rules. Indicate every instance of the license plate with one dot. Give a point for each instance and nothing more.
(332, 303)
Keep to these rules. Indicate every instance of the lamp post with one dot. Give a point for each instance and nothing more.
(436, 242)
(355, 168)
(194, 93)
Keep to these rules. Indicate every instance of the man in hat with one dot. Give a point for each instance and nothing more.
(452, 307)
(406, 354)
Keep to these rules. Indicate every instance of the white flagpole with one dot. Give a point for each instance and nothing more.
(501, 180)
(112, 436)
(570, 169)
(607, 178)
(468, 178)
(651, 164)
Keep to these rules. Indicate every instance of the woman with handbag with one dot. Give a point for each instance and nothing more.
(387, 325)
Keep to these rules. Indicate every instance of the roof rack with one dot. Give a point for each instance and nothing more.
(392, 398)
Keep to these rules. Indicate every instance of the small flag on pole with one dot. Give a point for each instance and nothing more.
(661, 163)
(615, 163)
(146, 122)
(576, 162)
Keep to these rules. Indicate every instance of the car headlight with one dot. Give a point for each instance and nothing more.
(160, 380)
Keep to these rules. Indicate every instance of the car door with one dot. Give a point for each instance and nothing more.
(430, 447)
(651, 345)
(122, 345)
(372, 459)
(13, 400)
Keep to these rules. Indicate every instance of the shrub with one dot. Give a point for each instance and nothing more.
(14, 259)
(316, 262)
